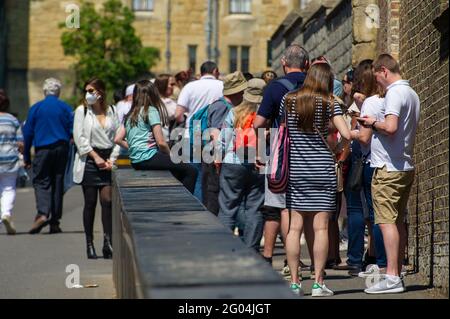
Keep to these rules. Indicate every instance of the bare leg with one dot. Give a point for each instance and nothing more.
(271, 229)
(320, 225)
(391, 238)
(292, 240)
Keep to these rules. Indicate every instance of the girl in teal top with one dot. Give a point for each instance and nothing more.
(142, 135)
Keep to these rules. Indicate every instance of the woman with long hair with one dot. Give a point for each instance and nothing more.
(312, 186)
(369, 97)
(95, 127)
(166, 84)
(145, 139)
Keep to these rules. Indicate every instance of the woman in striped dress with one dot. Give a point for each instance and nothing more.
(311, 192)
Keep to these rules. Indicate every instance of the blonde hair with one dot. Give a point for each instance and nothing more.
(242, 111)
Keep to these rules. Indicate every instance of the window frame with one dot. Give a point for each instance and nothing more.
(230, 6)
(134, 9)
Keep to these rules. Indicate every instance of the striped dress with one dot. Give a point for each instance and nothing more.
(312, 177)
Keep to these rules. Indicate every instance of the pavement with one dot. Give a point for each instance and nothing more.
(345, 286)
(34, 266)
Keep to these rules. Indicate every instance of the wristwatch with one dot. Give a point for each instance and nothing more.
(373, 126)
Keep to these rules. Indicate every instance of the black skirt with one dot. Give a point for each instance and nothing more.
(93, 176)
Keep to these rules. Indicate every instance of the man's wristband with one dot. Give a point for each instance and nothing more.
(373, 126)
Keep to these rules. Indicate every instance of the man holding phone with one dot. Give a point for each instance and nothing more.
(392, 149)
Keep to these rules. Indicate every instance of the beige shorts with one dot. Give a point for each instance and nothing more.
(390, 192)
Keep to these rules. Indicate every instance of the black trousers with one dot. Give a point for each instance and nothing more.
(210, 188)
(185, 173)
(49, 165)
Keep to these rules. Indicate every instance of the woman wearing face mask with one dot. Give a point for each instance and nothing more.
(95, 127)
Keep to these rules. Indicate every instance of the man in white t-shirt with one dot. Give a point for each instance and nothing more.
(392, 148)
(193, 97)
(124, 106)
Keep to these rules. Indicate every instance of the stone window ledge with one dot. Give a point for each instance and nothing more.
(240, 17)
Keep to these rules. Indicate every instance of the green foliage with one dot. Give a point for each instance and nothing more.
(106, 46)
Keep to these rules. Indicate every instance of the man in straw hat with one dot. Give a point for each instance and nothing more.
(234, 85)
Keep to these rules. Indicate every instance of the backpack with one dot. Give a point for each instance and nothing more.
(201, 116)
(246, 136)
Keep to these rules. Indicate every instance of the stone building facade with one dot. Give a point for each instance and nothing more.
(334, 28)
(237, 30)
(416, 33)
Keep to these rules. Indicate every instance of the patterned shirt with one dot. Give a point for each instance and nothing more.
(10, 135)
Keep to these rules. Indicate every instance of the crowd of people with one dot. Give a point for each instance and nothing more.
(362, 125)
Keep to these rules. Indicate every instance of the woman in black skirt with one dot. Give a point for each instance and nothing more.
(95, 126)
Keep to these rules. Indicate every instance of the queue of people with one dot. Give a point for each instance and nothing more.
(363, 126)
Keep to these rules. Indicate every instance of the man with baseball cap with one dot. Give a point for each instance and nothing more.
(48, 128)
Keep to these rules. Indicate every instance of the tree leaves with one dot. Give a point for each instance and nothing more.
(106, 46)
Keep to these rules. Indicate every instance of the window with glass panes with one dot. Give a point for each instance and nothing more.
(240, 6)
(143, 5)
(192, 52)
(233, 58)
(245, 59)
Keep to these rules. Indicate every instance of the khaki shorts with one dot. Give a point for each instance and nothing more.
(390, 192)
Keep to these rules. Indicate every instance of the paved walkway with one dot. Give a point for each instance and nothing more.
(34, 266)
(348, 287)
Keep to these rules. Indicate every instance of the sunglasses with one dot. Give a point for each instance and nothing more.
(92, 91)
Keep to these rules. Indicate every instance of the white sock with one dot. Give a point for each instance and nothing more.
(393, 278)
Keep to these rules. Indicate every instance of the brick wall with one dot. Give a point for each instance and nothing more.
(388, 35)
(424, 62)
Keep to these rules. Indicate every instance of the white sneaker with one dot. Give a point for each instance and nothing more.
(321, 291)
(388, 285)
(9, 225)
(371, 270)
(296, 288)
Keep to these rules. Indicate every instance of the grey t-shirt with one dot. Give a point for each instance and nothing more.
(217, 112)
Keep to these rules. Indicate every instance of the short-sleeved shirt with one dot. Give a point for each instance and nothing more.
(274, 93)
(10, 135)
(217, 112)
(140, 138)
(372, 107)
(396, 151)
(198, 94)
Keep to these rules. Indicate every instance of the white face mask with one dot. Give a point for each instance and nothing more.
(91, 98)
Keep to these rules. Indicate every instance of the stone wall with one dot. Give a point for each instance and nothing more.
(388, 40)
(323, 28)
(424, 61)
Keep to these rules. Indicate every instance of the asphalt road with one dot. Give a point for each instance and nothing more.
(34, 266)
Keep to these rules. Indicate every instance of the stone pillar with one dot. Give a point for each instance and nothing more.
(366, 22)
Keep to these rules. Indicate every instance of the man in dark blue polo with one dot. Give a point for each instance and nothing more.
(295, 62)
(48, 128)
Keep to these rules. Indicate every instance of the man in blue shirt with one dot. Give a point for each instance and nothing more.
(295, 62)
(48, 128)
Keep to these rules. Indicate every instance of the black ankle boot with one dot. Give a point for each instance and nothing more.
(107, 247)
(91, 251)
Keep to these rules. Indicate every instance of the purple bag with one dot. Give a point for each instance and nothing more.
(278, 175)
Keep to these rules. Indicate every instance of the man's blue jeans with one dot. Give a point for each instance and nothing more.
(198, 193)
(380, 253)
(356, 223)
(242, 185)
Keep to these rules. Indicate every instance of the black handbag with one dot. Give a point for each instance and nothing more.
(356, 179)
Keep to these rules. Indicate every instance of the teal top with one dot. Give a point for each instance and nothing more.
(141, 141)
